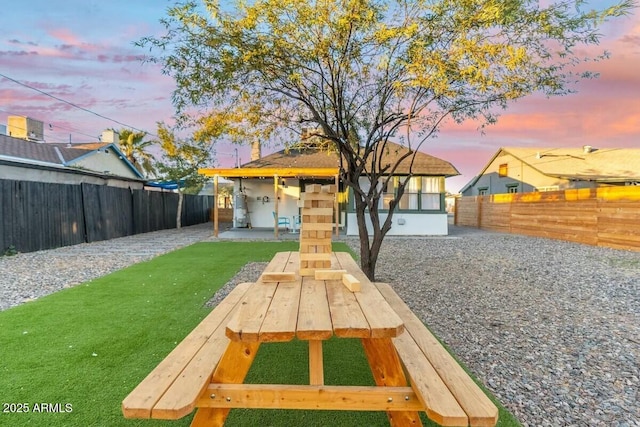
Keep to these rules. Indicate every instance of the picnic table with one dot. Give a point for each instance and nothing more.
(311, 297)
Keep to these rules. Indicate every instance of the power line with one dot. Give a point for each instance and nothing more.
(76, 106)
(52, 126)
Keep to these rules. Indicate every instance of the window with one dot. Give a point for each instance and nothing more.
(430, 193)
(513, 188)
(388, 194)
(409, 200)
(482, 191)
(420, 193)
(503, 170)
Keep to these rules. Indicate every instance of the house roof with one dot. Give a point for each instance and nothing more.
(53, 154)
(586, 164)
(424, 164)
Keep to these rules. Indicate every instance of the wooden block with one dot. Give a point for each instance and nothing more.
(318, 211)
(351, 282)
(313, 188)
(317, 197)
(322, 226)
(285, 276)
(331, 188)
(329, 274)
(315, 257)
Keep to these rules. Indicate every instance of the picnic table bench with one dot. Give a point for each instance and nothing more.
(412, 371)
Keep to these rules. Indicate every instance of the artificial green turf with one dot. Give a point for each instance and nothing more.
(70, 358)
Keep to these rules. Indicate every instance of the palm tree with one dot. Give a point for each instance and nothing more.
(134, 148)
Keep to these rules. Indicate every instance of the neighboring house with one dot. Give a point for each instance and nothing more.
(95, 163)
(271, 185)
(523, 170)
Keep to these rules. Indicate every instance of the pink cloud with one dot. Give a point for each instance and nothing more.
(65, 35)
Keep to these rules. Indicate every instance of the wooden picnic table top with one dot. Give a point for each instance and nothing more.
(310, 309)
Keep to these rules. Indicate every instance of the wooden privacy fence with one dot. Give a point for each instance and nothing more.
(37, 215)
(605, 216)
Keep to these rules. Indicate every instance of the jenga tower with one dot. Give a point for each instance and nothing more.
(317, 225)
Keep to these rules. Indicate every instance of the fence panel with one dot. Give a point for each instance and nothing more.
(36, 216)
(108, 212)
(606, 216)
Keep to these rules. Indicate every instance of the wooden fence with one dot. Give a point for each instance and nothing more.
(36, 215)
(605, 216)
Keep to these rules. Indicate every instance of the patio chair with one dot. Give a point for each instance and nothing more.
(283, 220)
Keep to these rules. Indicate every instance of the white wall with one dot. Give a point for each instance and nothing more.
(415, 224)
(261, 210)
(102, 162)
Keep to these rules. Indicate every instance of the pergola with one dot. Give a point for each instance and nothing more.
(268, 172)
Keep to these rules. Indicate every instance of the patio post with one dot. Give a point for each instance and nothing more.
(215, 206)
(275, 197)
(336, 206)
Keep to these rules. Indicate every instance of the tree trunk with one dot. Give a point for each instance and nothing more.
(179, 213)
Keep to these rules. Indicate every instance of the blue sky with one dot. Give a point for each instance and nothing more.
(83, 52)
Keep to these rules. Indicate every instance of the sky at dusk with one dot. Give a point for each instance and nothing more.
(82, 51)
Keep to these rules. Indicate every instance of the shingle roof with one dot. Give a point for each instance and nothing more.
(424, 164)
(600, 164)
(47, 153)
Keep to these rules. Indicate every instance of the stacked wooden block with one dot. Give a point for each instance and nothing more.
(317, 224)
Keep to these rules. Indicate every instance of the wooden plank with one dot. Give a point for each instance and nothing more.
(139, 403)
(314, 317)
(315, 257)
(282, 316)
(233, 367)
(387, 372)
(383, 320)
(351, 282)
(346, 315)
(316, 366)
(312, 188)
(317, 226)
(246, 323)
(288, 276)
(318, 211)
(318, 196)
(479, 408)
(278, 396)
(329, 274)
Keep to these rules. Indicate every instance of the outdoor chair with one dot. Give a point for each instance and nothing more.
(283, 221)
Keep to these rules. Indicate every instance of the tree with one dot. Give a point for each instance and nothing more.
(367, 72)
(180, 164)
(134, 147)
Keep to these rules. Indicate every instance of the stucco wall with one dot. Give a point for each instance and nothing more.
(415, 224)
(261, 201)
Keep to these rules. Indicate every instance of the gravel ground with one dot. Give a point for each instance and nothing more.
(552, 328)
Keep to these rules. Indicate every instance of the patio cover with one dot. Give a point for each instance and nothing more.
(267, 172)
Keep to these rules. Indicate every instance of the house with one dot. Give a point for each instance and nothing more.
(523, 170)
(95, 163)
(270, 186)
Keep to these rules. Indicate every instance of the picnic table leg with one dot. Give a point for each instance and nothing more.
(387, 371)
(232, 369)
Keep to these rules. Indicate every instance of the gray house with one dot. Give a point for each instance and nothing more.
(523, 170)
(93, 163)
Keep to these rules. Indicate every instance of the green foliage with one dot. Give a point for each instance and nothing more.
(367, 71)
(181, 160)
(10, 251)
(134, 147)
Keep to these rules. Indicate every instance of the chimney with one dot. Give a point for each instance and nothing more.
(110, 136)
(256, 150)
(586, 149)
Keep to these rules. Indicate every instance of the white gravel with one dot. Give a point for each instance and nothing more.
(551, 328)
